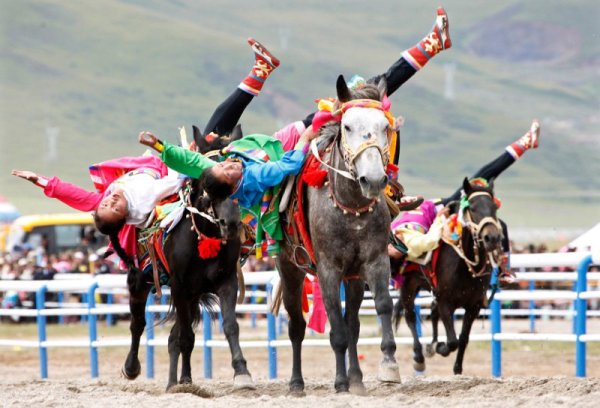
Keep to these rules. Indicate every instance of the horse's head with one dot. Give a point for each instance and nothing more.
(480, 216)
(212, 142)
(225, 214)
(365, 130)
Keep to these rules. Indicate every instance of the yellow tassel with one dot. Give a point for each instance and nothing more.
(259, 254)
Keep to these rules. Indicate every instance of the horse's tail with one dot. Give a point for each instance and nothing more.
(210, 303)
(277, 299)
(397, 315)
(207, 301)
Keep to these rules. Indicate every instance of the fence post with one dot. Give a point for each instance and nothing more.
(60, 297)
(40, 299)
(271, 336)
(93, 329)
(109, 316)
(206, 322)
(531, 306)
(253, 288)
(149, 337)
(580, 317)
(496, 346)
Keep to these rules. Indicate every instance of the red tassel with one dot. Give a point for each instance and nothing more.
(208, 247)
(315, 178)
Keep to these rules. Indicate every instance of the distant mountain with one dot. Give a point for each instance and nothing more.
(79, 80)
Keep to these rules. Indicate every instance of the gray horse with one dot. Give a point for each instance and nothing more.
(349, 225)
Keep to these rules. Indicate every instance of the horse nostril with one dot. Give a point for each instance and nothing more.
(383, 182)
(363, 182)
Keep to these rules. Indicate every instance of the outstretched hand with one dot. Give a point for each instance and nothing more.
(148, 139)
(25, 174)
(309, 134)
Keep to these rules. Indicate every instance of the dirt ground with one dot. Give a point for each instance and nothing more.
(534, 373)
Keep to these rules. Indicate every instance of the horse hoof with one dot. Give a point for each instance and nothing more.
(419, 367)
(430, 349)
(243, 382)
(358, 389)
(296, 393)
(389, 372)
(419, 373)
(127, 376)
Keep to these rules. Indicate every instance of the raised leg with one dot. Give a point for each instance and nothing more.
(408, 293)
(355, 290)
(451, 344)
(137, 305)
(227, 296)
(435, 317)
(292, 281)
(470, 316)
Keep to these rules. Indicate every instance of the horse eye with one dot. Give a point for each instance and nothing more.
(347, 128)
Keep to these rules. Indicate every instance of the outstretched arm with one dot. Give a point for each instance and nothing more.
(70, 194)
(182, 160)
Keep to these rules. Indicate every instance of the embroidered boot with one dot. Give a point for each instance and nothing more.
(265, 63)
(434, 42)
(529, 140)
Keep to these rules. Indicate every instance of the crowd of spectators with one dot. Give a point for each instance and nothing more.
(27, 263)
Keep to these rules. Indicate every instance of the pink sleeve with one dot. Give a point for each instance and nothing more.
(290, 134)
(72, 195)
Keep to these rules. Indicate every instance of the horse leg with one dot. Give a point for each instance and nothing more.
(186, 333)
(377, 275)
(451, 342)
(338, 335)
(174, 352)
(227, 297)
(137, 307)
(355, 290)
(292, 282)
(435, 317)
(408, 294)
(470, 315)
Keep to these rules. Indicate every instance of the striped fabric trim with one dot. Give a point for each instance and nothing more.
(248, 89)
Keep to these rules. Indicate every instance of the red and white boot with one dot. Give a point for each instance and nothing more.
(265, 63)
(529, 140)
(433, 43)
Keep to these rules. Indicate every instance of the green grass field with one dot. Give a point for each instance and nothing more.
(100, 72)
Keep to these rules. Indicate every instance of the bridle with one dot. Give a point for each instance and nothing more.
(474, 229)
(349, 155)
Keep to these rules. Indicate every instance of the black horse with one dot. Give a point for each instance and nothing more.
(348, 222)
(463, 277)
(194, 280)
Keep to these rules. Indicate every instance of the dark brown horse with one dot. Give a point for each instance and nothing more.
(194, 280)
(463, 275)
(348, 221)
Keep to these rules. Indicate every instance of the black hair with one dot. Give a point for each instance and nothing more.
(215, 188)
(134, 275)
(108, 227)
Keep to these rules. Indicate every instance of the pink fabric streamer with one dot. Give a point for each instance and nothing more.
(319, 315)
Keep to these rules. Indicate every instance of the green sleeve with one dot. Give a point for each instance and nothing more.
(185, 161)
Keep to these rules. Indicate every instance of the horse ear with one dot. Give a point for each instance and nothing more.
(197, 134)
(236, 133)
(382, 87)
(203, 145)
(467, 186)
(342, 90)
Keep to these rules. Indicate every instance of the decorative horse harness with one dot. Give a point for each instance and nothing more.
(478, 245)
